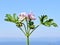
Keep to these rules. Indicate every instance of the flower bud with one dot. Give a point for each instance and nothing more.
(31, 26)
(18, 24)
(31, 23)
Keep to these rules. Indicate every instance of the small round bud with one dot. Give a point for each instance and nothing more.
(31, 26)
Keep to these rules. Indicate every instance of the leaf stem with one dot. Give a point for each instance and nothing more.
(33, 30)
(22, 30)
(27, 24)
(24, 26)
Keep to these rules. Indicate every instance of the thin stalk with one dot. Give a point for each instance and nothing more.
(27, 24)
(22, 30)
(33, 30)
(24, 27)
(27, 40)
(29, 30)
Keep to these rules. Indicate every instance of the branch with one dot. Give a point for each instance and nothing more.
(22, 30)
(27, 24)
(24, 26)
(33, 29)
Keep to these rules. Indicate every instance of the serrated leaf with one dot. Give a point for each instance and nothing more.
(10, 18)
(6, 19)
(54, 24)
(50, 20)
(14, 16)
(47, 24)
(43, 18)
(41, 21)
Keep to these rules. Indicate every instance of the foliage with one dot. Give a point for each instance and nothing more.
(47, 22)
(10, 18)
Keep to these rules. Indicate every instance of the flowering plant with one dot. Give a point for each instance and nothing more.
(29, 26)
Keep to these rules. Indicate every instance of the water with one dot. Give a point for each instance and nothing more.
(42, 41)
(31, 43)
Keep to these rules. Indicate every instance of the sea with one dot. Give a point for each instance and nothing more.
(32, 42)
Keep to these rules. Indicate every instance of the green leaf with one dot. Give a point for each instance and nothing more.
(10, 18)
(46, 22)
(14, 16)
(43, 18)
(50, 20)
(54, 24)
(41, 21)
(6, 19)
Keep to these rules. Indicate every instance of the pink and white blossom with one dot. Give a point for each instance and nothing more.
(22, 16)
(31, 16)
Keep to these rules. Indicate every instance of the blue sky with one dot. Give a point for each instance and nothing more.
(38, 7)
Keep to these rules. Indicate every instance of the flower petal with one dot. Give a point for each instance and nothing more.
(31, 16)
(22, 16)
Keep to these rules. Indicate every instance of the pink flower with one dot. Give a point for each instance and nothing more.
(31, 16)
(22, 16)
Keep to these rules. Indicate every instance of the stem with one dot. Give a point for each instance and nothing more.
(33, 30)
(22, 30)
(24, 27)
(27, 24)
(27, 40)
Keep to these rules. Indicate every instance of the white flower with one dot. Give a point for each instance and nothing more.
(28, 16)
(22, 16)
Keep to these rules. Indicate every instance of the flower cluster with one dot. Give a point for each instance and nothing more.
(29, 17)
(23, 15)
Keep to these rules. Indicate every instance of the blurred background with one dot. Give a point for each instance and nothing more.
(9, 31)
